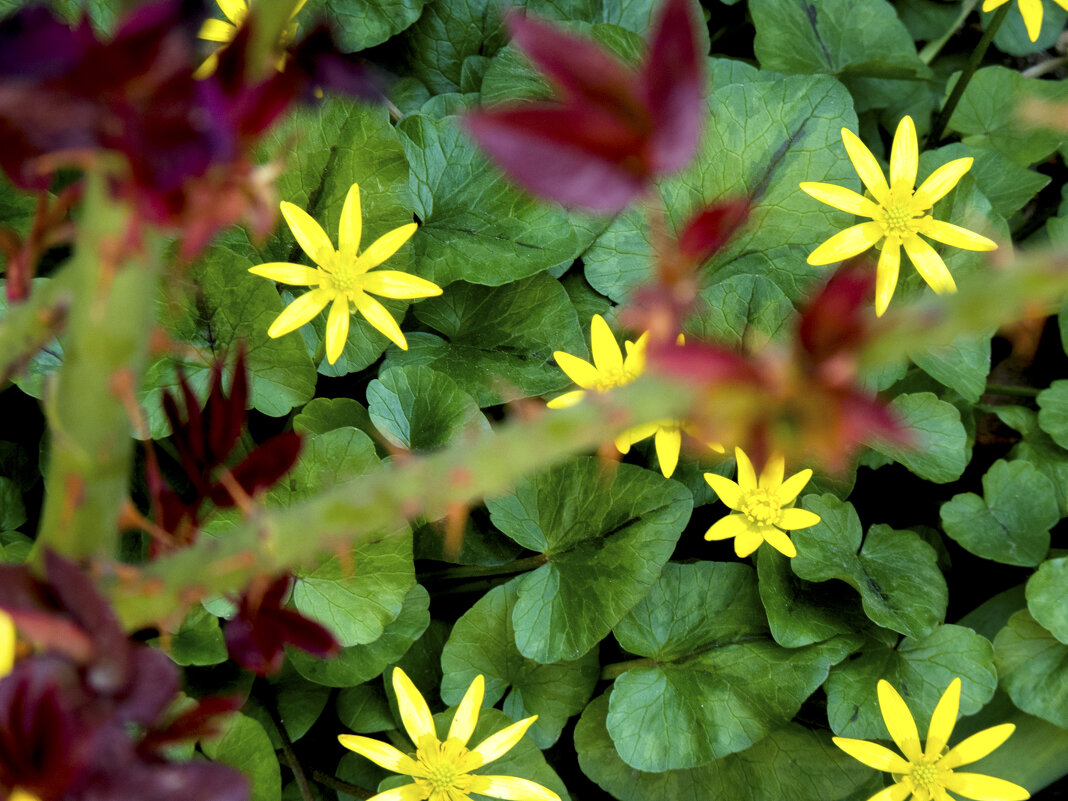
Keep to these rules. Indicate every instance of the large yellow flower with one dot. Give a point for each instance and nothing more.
(223, 32)
(899, 214)
(762, 509)
(7, 643)
(442, 770)
(926, 774)
(343, 277)
(1030, 10)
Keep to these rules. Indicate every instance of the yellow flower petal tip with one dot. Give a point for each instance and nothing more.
(7, 643)
(343, 278)
(762, 509)
(222, 33)
(443, 769)
(899, 214)
(929, 772)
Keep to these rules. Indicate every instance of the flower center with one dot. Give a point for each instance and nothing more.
(445, 767)
(610, 379)
(898, 215)
(925, 774)
(342, 276)
(761, 507)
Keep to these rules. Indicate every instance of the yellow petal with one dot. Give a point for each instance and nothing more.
(386, 245)
(634, 363)
(866, 166)
(793, 519)
(747, 542)
(415, 714)
(300, 311)
(309, 234)
(215, 30)
(780, 542)
(941, 181)
(406, 792)
(337, 328)
(396, 284)
(904, 156)
(466, 717)
(513, 789)
(873, 755)
(350, 229)
(7, 643)
(567, 400)
(841, 198)
(1031, 11)
(899, 721)
(636, 434)
(497, 745)
(728, 492)
(792, 487)
(578, 370)
(297, 8)
(895, 792)
(747, 480)
(990, 5)
(929, 265)
(668, 444)
(847, 244)
(943, 720)
(382, 754)
(207, 68)
(974, 748)
(606, 353)
(727, 527)
(771, 475)
(285, 273)
(985, 788)
(235, 10)
(381, 319)
(886, 275)
(950, 234)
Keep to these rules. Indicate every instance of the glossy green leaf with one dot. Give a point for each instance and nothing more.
(1011, 522)
(1037, 448)
(606, 533)
(920, 670)
(364, 709)
(199, 640)
(15, 547)
(497, 343)
(359, 24)
(790, 764)
(741, 309)
(12, 511)
(1033, 668)
(245, 745)
(1053, 412)
(325, 460)
(962, 366)
(938, 450)
(1047, 597)
(715, 683)
(895, 572)
(418, 408)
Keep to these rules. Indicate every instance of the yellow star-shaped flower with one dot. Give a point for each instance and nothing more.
(1030, 10)
(762, 510)
(899, 214)
(223, 32)
(442, 770)
(343, 277)
(926, 774)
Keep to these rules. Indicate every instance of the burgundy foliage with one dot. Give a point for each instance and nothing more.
(262, 626)
(66, 712)
(612, 129)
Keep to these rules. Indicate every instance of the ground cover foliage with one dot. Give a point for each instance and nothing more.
(290, 517)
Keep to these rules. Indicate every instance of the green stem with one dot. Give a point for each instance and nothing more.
(617, 669)
(334, 783)
(105, 351)
(266, 696)
(933, 48)
(477, 571)
(974, 61)
(1009, 389)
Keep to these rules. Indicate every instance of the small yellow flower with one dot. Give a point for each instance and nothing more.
(7, 643)
(1030, 10)
(223, 32)
(442, 770)
(926, 774)
(343, 277)
(899, 214)
(762, 510)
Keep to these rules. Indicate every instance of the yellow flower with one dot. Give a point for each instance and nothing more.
(899, 214)
(7, 643)
(926, 774)
(343, 277)
(761, 509)
(236, 11)
(1030, 10)
(442, 770)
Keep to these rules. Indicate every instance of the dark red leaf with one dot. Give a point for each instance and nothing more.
(262, 468)
(711, 228)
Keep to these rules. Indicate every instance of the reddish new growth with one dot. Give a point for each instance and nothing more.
(806, 403)
(612, 130)
(87, 717)
(205, 439)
